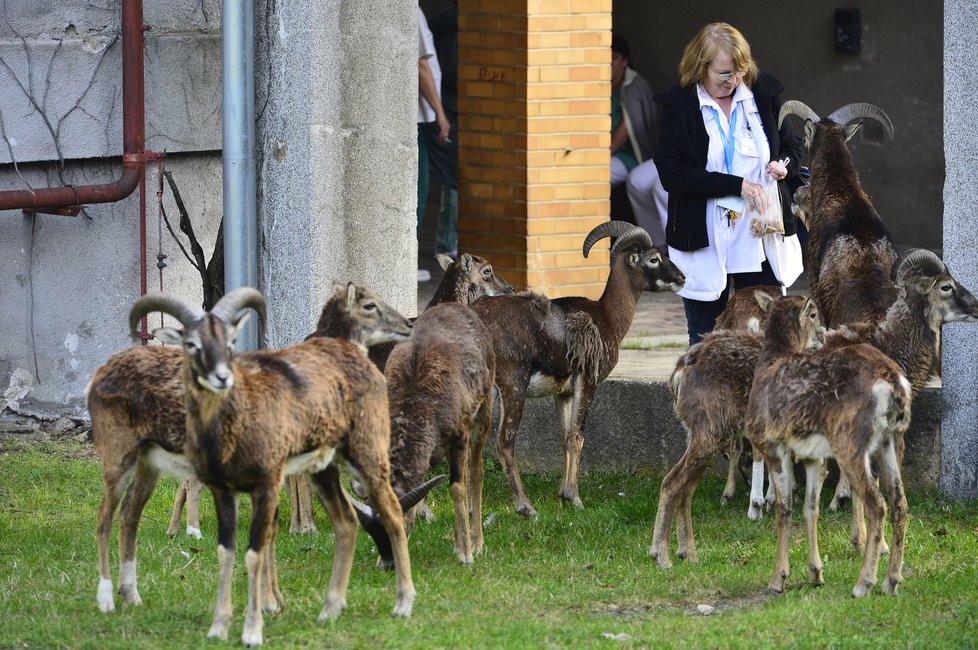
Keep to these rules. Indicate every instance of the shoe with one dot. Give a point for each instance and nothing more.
(424, 275)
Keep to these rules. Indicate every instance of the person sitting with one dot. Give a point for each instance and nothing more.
(634, 134)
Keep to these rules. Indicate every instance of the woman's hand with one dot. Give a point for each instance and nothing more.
(777, 170)
(755, 195)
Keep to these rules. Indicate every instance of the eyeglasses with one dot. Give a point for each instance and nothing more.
(724, 77)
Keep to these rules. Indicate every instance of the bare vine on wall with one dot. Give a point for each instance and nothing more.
(10, 150)
(37, 88)
(203, 10)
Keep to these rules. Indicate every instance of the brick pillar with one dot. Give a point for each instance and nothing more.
(534, 139)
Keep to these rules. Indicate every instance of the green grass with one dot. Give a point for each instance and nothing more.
(563, 580)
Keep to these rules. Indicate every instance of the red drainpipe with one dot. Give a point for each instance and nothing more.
(68, 200)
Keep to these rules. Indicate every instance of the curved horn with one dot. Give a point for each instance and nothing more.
(234, 301)
(920, 260)
(371, 523)
(862, 111)
(636, 234)
(410, 499)
(364, 512)
(167, 303)
(795, 107)
(613, 229)
(623, 234)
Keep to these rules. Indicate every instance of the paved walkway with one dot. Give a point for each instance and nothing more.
(659, 330)
(655, 340)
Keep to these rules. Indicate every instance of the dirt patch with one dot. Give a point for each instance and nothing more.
(634, 610)
(702, 607)
(717, 606)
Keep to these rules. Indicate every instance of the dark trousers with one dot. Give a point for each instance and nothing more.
(422, 172)
(702, 315)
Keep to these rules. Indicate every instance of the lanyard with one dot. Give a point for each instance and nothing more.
(728, 139)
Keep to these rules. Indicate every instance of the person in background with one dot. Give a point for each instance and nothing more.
(724, 112)
(650, 202)
(633, 114)
(431, 115)
(443, 156)
(634, 133)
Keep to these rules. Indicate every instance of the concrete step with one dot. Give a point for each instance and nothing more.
(632, 427)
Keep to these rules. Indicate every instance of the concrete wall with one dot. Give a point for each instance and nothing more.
(65, 100)
(959, 449)
(67, 283)
(337, 155)
(899, 70)
(632, 427)
(336, 97)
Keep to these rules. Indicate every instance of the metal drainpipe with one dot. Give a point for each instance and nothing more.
(68, 200)
(240, 213)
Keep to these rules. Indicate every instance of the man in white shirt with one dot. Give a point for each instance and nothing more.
(430, 111)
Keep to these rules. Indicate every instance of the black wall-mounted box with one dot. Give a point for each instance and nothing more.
(848, 29)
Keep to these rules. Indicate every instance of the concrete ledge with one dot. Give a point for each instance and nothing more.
(632, 426)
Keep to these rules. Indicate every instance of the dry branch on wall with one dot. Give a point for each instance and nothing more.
(211, 273)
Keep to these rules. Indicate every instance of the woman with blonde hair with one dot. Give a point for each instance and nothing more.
(719, 143)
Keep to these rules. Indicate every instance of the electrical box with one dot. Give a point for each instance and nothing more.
(848, 28)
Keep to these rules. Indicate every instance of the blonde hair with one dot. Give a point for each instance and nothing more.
(712, 39)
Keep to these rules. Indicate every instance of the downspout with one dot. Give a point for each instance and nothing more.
(240, 195)
(68, 200)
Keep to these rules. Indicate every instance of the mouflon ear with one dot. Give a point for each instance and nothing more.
(764, 300)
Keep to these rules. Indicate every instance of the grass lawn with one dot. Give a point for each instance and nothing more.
(569, 579)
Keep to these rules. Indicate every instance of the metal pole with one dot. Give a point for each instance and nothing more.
(240, 214)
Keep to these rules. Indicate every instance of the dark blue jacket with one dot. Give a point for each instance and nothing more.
(681, 157)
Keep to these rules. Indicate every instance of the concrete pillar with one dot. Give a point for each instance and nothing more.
(337, 155)
(534, 139)
(959, 432)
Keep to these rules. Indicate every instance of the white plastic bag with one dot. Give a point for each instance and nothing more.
(770, 221)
